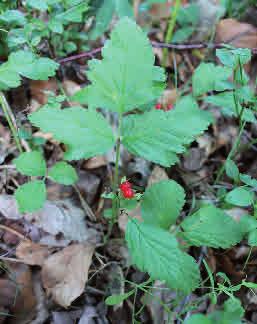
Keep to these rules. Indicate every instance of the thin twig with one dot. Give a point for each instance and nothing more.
(13, 231)
(85, 205)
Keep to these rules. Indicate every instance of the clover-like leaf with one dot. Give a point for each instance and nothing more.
(31, 164)
(156, 251)
(85, 132)
(212, 227)
(162, 203)
(158, 136)
(31, 196)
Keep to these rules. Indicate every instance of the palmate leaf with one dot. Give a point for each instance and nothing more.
(156, 251)
(162, 203)
(158, 136)
(85, 132)
(211, 227)
(126, 77)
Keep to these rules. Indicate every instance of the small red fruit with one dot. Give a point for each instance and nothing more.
(169, 107)
(158, 106)
(128, 193)
(125, 185)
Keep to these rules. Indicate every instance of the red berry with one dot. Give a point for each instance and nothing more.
(158, 106)
(169, 107)
(125, 185)
(128, 193)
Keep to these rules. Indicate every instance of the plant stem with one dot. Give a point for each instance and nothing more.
(231, 153)
(172, 23)
(6, 110)
(115, 183)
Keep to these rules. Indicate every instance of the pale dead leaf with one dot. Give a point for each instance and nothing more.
(70, 87)
(64, 274)
(95, 162)
(38, 89)
(236, 33)
(158, 174)
(32, 253)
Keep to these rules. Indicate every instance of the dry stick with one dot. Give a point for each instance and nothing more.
(85, 205)
(13, 231)
(179, 47)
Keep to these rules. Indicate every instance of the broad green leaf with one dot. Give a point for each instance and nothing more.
(85, 132)
(117, 299)
(208, 77)
(232, 313)
(248, 223)
(232, 57)
(252, 238)
(198, 319)
(32, 67)
(158, 136)
(63, 173)
(245, 178)
(13, 17)
(31, 196)
(232, 170)
(124, 8)
(156, 251)
(37, 4)
(31, 164)
(211, 227)
(73, 14)
(240, 197)
(8, 79)
(162, 203)
(189, 14)
(126, 77)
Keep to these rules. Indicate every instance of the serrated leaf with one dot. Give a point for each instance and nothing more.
(198, 319)
(211, 227)
(240, 197)
(85, 132)
(14, 17)
(117, 299)
(31, 164)
(245, 178)
(126, 77)
(31, 196)
(158, 136)
(37, 4)
(162, 203)
(156, 251)
(208, 77)
(232, 170)
(73, 14)
(63, 173)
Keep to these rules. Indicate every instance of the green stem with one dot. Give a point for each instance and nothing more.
(6, 110)
(115, 183)
(231, 153)
(172, 23)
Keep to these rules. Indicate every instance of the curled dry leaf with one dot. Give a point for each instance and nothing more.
(32, 253)
(65, 273)
(237, 33)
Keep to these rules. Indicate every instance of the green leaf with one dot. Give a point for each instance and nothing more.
(252, 238)
(156, 251)
(211, 227)
(208, 77)
(189, 14)
(182, 34)
(63, 173)
(124, 8)
(126, 77)
(29, 66)
(85, 132)
(245, 178)
(198, 319)
(248, 224)
(31, 164)
(232, 57)
(13, 17)
(240, 197)
(117, 299)
(162, 203)
(73, 14)
(37, 4)
(31, 196)
(232, 170)
(158, 136)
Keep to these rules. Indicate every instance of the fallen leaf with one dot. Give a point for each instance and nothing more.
(157, 175)
(32, 253)
(38, 89)
(236, 33)
(65, 273)
(95, 162)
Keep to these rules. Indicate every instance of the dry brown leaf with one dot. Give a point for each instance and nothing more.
(32, 253)
(157, 175)
(70, 87)
(95, 162)
(65, 273)
(38, 89)
(236, 33)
